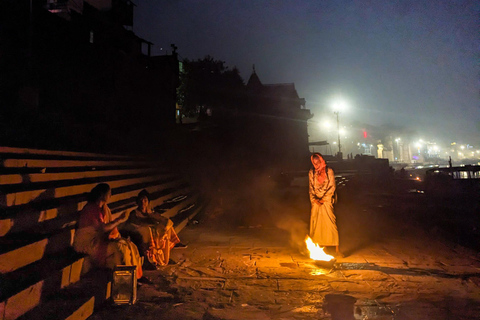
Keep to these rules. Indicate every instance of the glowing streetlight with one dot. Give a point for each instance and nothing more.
(397, 150)
(339, 105)
(325, 124)
(338, 129)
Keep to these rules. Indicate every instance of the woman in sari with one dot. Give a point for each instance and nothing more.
(98, 237)
(157, 232)
(323, 227)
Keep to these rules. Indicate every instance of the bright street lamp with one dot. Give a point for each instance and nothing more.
(338, 131)
(338, 106)
(325, 124)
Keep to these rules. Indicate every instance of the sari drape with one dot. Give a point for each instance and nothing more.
(106, 249)
(323, 227)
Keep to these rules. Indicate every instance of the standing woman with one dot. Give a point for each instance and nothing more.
(323, 227)
(98, 237)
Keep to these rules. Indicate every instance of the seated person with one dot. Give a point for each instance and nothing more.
(158, 236)
(98, 237)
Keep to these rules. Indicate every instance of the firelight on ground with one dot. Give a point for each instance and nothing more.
(316, 252)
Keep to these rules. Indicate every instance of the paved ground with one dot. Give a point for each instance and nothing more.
(253, 266)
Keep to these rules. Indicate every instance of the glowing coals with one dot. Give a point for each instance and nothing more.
(316, 252)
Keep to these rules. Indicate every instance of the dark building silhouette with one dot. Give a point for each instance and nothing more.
(76, 64)
(278, 123)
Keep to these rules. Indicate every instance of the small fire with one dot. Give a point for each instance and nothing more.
(316, 252)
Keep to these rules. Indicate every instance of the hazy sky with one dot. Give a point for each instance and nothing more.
(408, 63)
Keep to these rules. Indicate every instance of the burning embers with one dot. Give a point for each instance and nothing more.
(316, 252)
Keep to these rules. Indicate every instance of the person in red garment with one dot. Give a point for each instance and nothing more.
(323, 226)
(98, 237)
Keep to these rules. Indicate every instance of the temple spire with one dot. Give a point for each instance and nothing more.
(254, 82)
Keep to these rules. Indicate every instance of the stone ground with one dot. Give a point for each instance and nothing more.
(255, 267)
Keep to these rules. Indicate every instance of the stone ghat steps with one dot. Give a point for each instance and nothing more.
(29, 280)
(54, 288)
(41, 193)
(25, 210)
(23, 251)
(76, 302)
(27, 287)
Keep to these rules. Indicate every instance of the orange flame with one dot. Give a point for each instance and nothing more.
(316, 252)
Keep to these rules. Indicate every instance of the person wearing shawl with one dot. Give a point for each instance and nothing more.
(157, 234)
(323, 227)
(98, 237)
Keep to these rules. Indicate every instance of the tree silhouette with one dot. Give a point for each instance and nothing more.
(209, 84)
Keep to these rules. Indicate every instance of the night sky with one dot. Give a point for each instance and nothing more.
(412, 64)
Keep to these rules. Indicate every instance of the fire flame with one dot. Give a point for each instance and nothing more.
(316, 252)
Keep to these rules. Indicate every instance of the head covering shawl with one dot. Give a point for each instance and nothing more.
(320, 173)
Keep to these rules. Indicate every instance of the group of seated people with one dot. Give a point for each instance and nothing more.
(98, 235)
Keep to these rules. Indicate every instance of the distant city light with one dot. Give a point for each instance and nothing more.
(325, 124)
